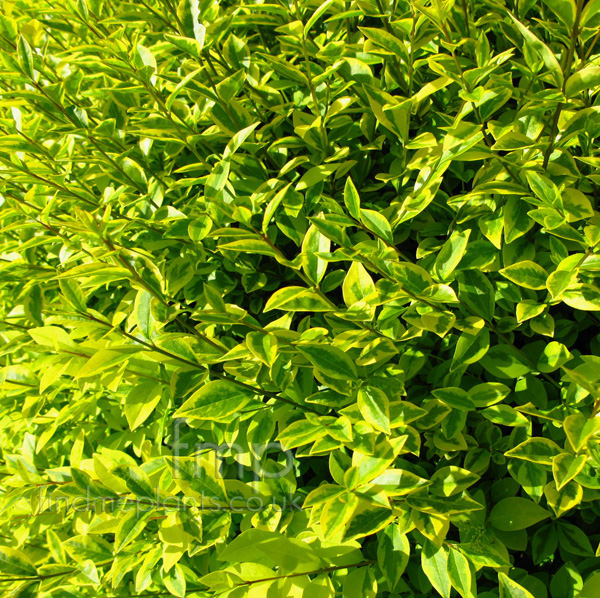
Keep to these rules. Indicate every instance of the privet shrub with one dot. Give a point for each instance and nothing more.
(300, 300)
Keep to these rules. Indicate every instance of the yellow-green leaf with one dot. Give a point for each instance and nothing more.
(374, 407)
(526, 274)
(215, 401)
(333, 362)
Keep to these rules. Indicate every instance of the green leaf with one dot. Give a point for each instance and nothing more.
(584, 297)
(333, 362)
(336, 513)
(315, 175)
(564, 9)
(591, 587)
(101, 361)
(136, 480)
(299, 433)
(576, 204)
(215, 401)
(143, 57)
(537, 450)
(486, 554)
(587, 78)
(358, 284)
(188, 12)
(451, 480)
(434, 561)
(317, 15)
(554, 355)
(51, 335)
(198, 229)
(368, 519)
(386, 40)
(472, 345)
(377, 223)
(459, 573)
(25, 56)
(477, 293)
(544, 189)
(511, 589)
(199, 476)
(488, 394)
(263, 346)
(399, 482)
(504, 361)
(217, 180)
(526, 274)
(530, 309)
(532, 476)
(454, 397)
(451, 253)
(141, 402)
(352, 199)
(374, 407)
(85, 483)
(73, 293)
(238, 139)
(565, 499)
(565, 467)
(545, 53)
(297, 299)
(412, 277)
(14, 562)
(517, 221)
(359, 583)
(579, 429)
(134, 172)
(567, 581)
(143, 313)
(174, 580)
(256, 245)
(590, 10)
(130, 527)
(314, 242)
(511, 514)
(559, 281)
(505, 415)
(393, 552)
(583, 381)
(287, 553)
(189, 45)
(544, 543)
(83, 547)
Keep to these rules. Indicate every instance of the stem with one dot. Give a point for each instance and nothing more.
(566, 73)
(313, 91)
(591, 46)
(411, 67)
(35, 577)
(476, 112)
(315, 572)
(466, 17)
(388, 28)
(159, 16)
(152, 347)
(149, 289)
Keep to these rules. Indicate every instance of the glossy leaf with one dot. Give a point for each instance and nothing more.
(216, 400)
(512, 514)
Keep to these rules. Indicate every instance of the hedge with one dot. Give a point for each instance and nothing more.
(299, 300)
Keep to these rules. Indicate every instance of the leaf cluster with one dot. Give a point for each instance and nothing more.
(299, 299)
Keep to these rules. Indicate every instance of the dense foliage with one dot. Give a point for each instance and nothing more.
(300, 300)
